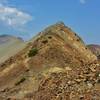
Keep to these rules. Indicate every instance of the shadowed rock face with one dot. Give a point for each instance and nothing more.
(95, 49)
(62, 60)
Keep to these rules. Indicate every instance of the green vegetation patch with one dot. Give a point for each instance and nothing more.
(33, 52)
(20, 81)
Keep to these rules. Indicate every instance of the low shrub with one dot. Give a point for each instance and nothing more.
(33, 52)
(20, 81)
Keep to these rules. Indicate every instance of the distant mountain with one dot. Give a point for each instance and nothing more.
(95, 49)
(7, 38)
(9, 45)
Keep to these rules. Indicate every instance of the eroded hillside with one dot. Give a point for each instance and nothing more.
(55, 64)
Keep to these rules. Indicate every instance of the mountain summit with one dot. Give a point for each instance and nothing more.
(68, 39)
(56, 57)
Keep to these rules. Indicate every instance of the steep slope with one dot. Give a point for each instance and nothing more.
(9, 45)
(67, 37)
(56, 56)
(95, 49)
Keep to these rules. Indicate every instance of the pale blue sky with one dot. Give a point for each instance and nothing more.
(25, 18)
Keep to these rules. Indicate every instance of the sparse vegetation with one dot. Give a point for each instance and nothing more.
(33, 52)
(20, 81)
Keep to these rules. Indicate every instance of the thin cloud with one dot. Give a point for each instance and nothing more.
(3, 1)
(82, 1)
(13, 16)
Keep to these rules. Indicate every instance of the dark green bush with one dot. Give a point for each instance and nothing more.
(20, 81)
(33, 52)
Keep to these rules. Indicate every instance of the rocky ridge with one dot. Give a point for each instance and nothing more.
(56, 65)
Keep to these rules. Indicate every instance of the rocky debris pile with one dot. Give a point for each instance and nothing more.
(75, 84)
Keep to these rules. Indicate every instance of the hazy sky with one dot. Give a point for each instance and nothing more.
(25, 18)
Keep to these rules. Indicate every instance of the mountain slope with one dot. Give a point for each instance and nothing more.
(9, 45)
(95, 49)
(54, 58)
